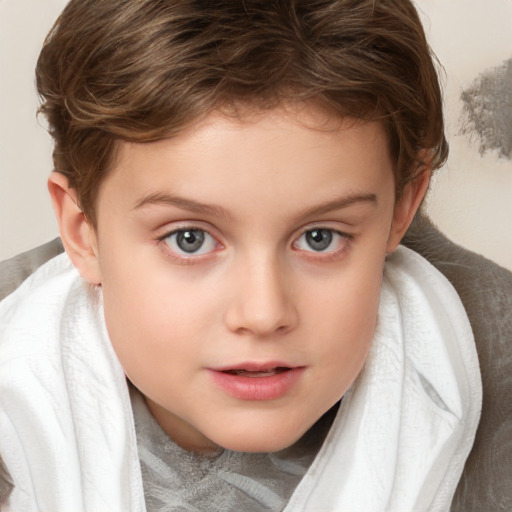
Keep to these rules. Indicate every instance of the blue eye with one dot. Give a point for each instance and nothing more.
(320, 240)
(190, 242)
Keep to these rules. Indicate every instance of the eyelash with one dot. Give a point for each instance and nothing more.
(323, 255)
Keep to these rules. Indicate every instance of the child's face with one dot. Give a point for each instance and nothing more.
(241, 265)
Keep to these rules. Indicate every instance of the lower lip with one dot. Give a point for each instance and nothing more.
(257, 388)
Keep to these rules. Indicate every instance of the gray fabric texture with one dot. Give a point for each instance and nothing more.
(486, 292)
(15, 270)
(5, 483)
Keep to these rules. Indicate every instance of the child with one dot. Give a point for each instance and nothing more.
(233, 325)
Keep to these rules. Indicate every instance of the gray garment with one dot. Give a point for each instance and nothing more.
(5, 483)
(178, 480)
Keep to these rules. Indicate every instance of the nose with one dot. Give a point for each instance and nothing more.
(263, 301)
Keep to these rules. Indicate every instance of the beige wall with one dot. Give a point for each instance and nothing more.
(471, 198)
(26, 218)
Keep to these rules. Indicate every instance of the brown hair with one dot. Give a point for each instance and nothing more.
(142, 70)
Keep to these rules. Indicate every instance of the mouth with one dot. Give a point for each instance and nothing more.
(251, 381)
(269, 372)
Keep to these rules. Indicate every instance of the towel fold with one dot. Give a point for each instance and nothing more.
(398, 443)
(66, 426)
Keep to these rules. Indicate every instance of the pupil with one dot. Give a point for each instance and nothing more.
(191, 240)
(319, 239)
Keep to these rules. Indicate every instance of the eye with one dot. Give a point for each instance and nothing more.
(321, 240)
(190, 242)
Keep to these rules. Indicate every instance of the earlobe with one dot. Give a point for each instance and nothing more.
(407, 206)
(77, 234)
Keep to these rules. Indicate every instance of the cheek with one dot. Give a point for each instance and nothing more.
(345, 315)
(152, 319)
(158, 309)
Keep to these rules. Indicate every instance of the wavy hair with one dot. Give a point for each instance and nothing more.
(143, 70)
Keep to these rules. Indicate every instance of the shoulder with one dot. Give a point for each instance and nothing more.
(15, 270)
(485, 290)
(30, 313)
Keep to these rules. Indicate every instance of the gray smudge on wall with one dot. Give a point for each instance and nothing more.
(487, 110)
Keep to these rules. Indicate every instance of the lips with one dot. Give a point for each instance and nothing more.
(253, 381)
(258, 373)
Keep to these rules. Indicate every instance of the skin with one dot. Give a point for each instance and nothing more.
(256, 291)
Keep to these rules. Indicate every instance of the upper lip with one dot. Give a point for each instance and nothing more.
(254, 366)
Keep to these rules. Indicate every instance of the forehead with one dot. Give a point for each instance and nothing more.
(291, 150)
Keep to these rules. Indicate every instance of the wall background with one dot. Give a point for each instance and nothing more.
(470, 198)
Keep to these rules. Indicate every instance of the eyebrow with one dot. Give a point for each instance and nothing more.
(340, 203)
(182, 203)
(218, 211)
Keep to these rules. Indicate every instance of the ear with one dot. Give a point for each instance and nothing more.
(406, 207)
(77, 234)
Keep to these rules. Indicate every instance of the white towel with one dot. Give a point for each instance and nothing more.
(398, 443)
(66, 428)
(405, 428)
